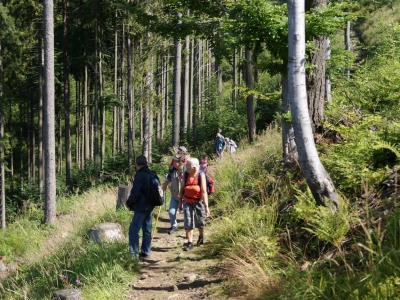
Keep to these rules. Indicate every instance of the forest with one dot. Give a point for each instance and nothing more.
(306, 209)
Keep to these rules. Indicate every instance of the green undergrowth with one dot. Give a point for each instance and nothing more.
(276, 243)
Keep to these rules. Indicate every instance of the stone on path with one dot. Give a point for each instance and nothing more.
(67, 294)
(106, 232)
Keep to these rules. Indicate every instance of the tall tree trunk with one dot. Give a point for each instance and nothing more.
(186, 88)
(115, 111)
(48, 133)
(122, 93)
(40, 116)
(32, 141)
(314, 172)
(67, 133)
(328, 96)
(10, 141)
(86, 117)
(129, 94)
(59, 146)
(191, 82)
(96, 100)
(176, 92)
(164, 93)
(315, 79)
(78, 124)
(234, 79)
(251, 123)
(103, 115)
(2, 142)
(196, 96)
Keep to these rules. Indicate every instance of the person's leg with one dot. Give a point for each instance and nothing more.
(200, 221)
(134, 227)
(173, 209)
(188, 211)
(146, 229)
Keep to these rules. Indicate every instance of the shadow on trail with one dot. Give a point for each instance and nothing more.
(181, 286)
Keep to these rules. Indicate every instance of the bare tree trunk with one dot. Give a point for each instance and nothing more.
(115, 111)
(40, 116)
(176, 93)
(251, 123)
(328, 96)
(191, 83)
(103, 115)
(129, 95)
(10, 141)
(196, 79)
(234, 79)
(49, 140)
(32, 141)
(59, 146)
(200, 68)
(164, 93)
(2, 142)
(67, 134)
(186, 87)
(315, 79)
(86, 117)
(96, 100)
(123, 100)
(314, 172)
(78, 124)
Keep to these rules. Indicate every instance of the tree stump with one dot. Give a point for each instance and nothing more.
(106, 232)
(123, 194)
(67, 294)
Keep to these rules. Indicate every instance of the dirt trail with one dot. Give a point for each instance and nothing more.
(171, 273)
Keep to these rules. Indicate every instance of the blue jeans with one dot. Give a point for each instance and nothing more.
(141, 219)
(172, 211)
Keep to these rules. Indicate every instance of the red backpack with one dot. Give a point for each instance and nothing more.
(209, 182)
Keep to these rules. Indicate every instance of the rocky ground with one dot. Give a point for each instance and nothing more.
(172, 273)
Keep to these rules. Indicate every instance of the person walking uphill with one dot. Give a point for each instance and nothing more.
(194, 200)
(138, 203)
(219, 146)
(173, 179)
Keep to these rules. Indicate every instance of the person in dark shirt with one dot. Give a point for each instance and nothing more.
(138, 203)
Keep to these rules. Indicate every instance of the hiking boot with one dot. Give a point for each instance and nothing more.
(189, 246)
(144, 255)
(200, 241)
(172, 230)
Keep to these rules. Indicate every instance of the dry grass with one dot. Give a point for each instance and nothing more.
(245, 272)
(95, 203)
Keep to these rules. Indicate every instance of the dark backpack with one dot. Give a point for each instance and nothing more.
(156, 197)
(209, 182)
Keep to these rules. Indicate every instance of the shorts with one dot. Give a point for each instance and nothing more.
(194, 215)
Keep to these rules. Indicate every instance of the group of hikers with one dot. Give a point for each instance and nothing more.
(187, 181)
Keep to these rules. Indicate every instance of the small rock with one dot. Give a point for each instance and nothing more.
(190, 277)
(175, 288)
(144, 276)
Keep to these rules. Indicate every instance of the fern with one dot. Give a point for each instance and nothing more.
(386, 145)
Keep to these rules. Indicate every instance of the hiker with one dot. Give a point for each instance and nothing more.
(204, 163)
(138, 203)
(182, 152)
(230, 146)
(219, 146)
(194, 201)
(173, 179)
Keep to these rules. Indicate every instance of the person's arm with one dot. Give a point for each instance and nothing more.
(181, 192)
(135, 191)
(165, 185)
(204, 194)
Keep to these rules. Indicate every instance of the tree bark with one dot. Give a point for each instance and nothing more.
(176, 93)
(96, 97)
(49, 139)
(315, 79)
(129, 95)
(2, 141)
(186, 88)
(314, 172)
(67, 133)
(251, 123)
(40, 116)
(234, 79)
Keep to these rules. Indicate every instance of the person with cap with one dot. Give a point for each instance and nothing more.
(173, 179)
(181, 152)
